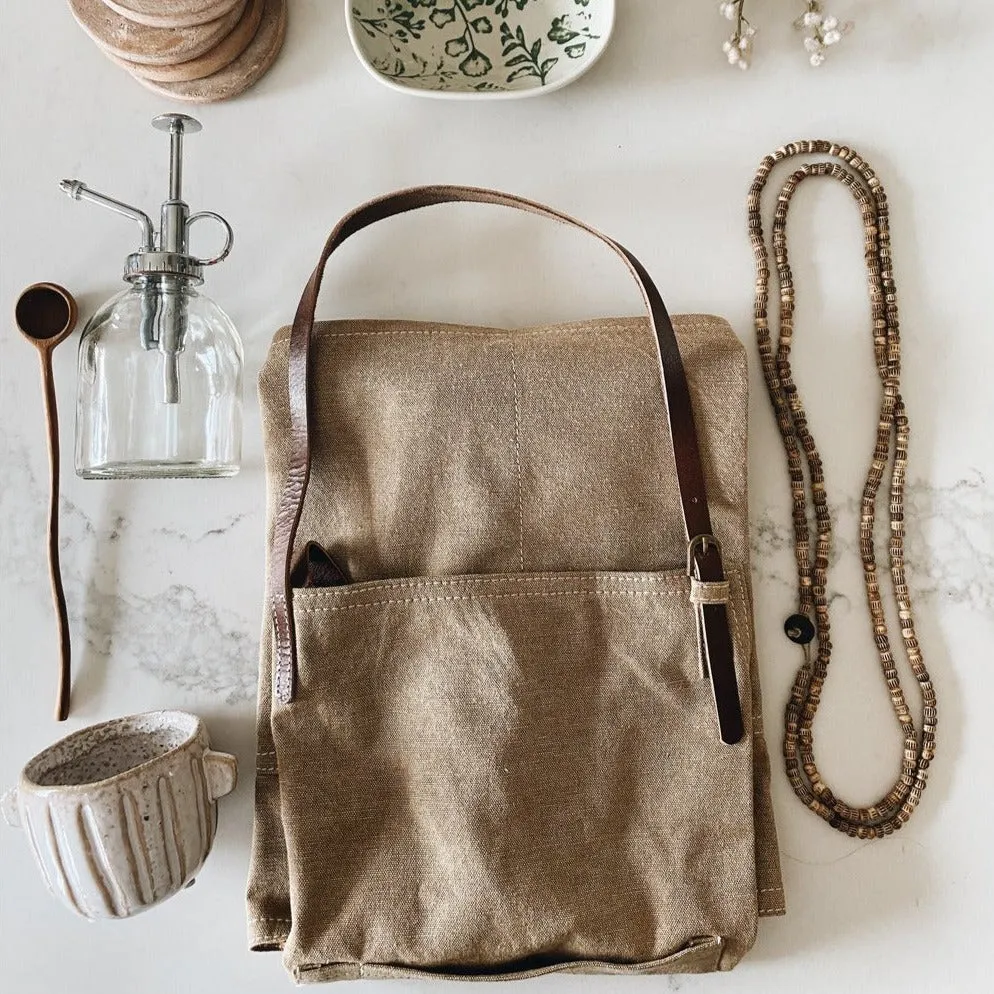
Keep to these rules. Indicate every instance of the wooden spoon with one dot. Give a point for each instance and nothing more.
(46, 314)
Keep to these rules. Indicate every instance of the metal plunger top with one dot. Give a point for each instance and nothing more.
(166, 252)
(176, 125)
(173, 235)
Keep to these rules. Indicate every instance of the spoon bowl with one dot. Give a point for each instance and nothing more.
(46, 314)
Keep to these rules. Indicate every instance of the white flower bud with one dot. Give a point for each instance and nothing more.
(812, 19)
(817, 58)
(745, 44)
(743, 63)
(734, 56)
(727, 47)
(830, 23)
(832, 37)
(812, 44)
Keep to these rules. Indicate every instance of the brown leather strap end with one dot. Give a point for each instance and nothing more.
(709, 595)
(719, 659)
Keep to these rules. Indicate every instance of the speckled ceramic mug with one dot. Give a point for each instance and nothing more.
(122, 815)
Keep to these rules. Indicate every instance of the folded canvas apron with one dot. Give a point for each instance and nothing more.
(509, 713)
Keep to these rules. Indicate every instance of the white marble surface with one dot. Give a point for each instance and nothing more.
(657, 145)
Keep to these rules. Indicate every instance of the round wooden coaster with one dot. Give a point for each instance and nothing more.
(171, 13)
(151, 46)
(213, 61)
(237, 77)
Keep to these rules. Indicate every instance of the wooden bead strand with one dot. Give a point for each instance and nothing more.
(807, 482)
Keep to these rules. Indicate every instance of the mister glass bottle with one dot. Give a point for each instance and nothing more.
(160, 365)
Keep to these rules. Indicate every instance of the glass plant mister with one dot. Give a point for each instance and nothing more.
(160, 365)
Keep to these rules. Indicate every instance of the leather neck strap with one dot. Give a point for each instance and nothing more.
(705, 553)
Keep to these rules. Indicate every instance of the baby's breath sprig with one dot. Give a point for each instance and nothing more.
(738, 47)
(821, 31)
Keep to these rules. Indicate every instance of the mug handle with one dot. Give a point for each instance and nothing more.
(221, 772)
(8, 806)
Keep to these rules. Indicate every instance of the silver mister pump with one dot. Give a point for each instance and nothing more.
(160, 365)
(163, 264)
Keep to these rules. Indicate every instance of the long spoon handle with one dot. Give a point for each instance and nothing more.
(54, 569)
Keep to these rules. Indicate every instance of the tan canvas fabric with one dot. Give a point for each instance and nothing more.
(502, 757)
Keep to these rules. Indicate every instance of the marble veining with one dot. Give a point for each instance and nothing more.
(178, 638)
(949, 542)
(195, 537)
(176, 635)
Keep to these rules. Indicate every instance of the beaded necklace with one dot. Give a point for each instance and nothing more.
(811, 622)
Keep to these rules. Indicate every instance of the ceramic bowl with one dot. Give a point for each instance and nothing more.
(122, 815)
(479, 48)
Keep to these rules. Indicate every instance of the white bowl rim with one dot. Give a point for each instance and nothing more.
(26, 781)
(533, 91)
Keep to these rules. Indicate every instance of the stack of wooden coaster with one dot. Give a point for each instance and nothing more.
(199, 51)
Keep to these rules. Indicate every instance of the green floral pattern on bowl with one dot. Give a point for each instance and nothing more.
(479, 48)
